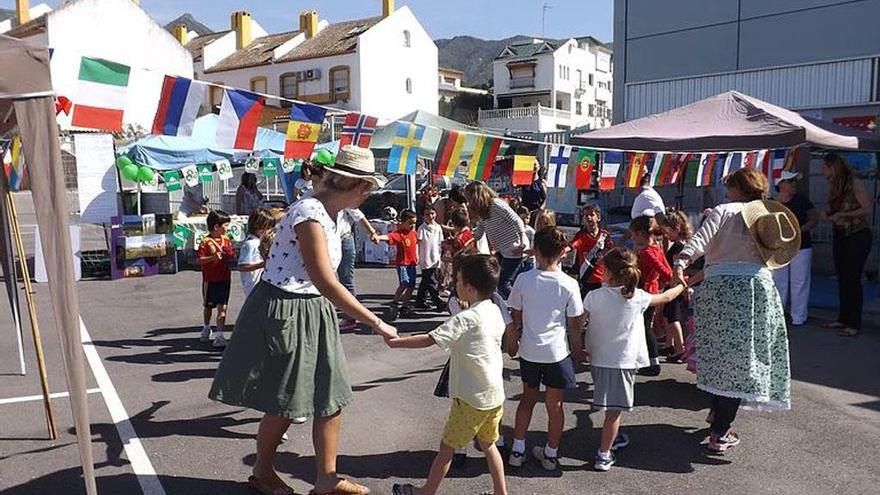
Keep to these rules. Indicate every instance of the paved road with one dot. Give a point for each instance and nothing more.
(146, 332)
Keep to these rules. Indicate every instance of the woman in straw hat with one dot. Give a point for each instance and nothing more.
(285, 357)
(742, 347)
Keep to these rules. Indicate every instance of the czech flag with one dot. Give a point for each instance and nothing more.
(239, 117)
(178, 106)
(303, 130)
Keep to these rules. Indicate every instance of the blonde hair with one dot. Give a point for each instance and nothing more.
(479, 200)
(544, 218)
(750, 182)
(622, 266)
(266, 243)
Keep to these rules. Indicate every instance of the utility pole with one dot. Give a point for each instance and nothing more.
(544, 10)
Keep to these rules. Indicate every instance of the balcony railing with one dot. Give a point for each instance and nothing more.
(522, 82)
(524, 113)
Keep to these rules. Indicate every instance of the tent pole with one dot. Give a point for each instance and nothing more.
(32, 312)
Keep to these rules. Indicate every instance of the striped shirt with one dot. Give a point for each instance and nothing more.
(504, 229)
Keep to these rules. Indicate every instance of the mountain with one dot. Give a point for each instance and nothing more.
(473, 56)
(191, 24)
(6, 14)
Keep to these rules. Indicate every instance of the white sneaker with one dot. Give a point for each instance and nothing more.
(220, 340)
(516, 458)
(299, 420)
(548, 463)
(206, 333)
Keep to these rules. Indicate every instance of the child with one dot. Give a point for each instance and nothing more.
(655, 273)
(473, 339)
(250, 260)
(430, 236)
(407, 243)
(303, 186)
(616, 342)
(590, 244)
(546, 305)
(462, 237)
(544, 218)
(677, 229)
(215, 254)
(529, 262)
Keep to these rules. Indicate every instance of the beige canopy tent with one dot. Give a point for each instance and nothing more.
(27, 101)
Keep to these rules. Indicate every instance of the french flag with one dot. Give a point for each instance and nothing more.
(239, 117)
(178, 106)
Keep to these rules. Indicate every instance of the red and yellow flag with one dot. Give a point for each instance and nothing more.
(635, 169)
(523, 169)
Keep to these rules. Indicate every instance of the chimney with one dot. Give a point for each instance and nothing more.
(387, 7)
(23, 11)
(308, 23)
(181, 33)
(241, 24)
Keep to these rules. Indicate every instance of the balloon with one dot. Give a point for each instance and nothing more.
(145, 174)
(325, 157)
(123, 161)
(130, 171)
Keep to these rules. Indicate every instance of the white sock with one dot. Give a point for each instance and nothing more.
(461, 451)
(604, 455)
(548, 452)
(519, 445)
(500, 441)
(218, 335)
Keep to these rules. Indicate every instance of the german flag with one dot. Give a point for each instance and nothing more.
(483, 160)
(449, 152)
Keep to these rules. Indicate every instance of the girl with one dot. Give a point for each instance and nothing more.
(250, 260)
(544, 218)
(655, 273)
(303, 185)
(677, 229)
(615, 341)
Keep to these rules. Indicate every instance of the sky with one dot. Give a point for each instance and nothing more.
(487, 19)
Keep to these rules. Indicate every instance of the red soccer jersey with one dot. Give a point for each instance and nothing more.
(407, 247)
(216, 270)
(462, 239)
(583, 243)
(656, 271)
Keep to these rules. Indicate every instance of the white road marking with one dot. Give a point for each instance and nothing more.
(31, 398)
(134, 450)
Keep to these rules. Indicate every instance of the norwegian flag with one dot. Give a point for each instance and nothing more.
(358, 130)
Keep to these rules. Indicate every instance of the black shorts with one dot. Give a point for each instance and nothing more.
(216, 293)
(553, 375)
(675, 311)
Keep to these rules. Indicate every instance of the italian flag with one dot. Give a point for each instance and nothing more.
(100, 101)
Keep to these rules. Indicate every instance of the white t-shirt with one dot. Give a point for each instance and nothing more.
(248, 254)
(473, 340)
(304, 186)
(430, 241)
(648, 199)
(346, 221)
(546, 298)
(286, 268)
(530, 236)
(616, 332)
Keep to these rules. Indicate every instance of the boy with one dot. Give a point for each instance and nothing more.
(430, 237)
(406, 240)
(547, 307)
(473, 339)
(215, 253)
(590, 244)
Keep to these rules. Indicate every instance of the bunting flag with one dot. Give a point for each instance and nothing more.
(179, 105)
(778, 164)
(303, 130)
(791, 159)
(523, 169)
(206, 172)
(679, 167)
(224, 169)
(706, 169)
(485, 153)
(239, 117)
(763, 163)
(271, 166)
(660, 169)
(635, 169)
(610, 166)
(720, 167)
(449, 151)
(172, 180)
(733, 163)
(405, 148)
(14, 164)
(557, 167)
(585, 162)
(190, 175)
(358, 130)
(101, 94)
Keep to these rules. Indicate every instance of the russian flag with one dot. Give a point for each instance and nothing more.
(239, 117)
(178, 106)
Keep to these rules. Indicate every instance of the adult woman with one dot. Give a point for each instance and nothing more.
(848, 209)
(793, 280)
(285, 357)
(535, 194)
(503, 229)
(742, 347)
(248, 197)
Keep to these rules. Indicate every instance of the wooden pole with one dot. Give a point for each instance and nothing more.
(32, 312)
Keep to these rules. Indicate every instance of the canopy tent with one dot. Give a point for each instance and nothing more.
(729, 121)
(27, 101)
(384, 137)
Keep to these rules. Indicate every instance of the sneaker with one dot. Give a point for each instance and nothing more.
(722, 443)
(220, 340)
(620, 442)
(206, 334)
(603, 463)
(548, 463)
(392, 312)
(299, 420)
(459, 461)
(516, 459)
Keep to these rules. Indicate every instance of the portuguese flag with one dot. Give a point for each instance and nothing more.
(523, 169)
(485, 153)
(585, 163)
(100, 102)
(449, 152)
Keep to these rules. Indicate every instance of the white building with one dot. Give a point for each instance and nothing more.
(550, 86)
(449, 84)
(385, 66)
(116, 30)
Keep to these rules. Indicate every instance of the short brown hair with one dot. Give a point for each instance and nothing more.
(591, 208)
(550, 242)
(644, 225)
(678, 220)
(750, 182)
(480, 271)
(459, 218)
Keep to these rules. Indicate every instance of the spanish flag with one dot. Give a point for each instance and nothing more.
(523, 169)
(303, 130)
(449, 152)
(636, 169)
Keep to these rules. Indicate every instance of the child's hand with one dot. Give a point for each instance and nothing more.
(386, 331)
(219, 255)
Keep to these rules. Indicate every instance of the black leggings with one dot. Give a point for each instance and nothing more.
(724, 409)
(850, 254)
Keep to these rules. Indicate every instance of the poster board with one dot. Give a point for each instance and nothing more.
(96, 177)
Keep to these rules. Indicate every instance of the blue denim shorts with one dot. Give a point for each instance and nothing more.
(406, 275)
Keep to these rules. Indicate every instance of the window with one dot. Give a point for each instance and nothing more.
(409, 85)
(407, 38)
(591, 79)
(216, 95)
(340, 83)
(580, 78)
(578, 108)
(258, 85)
(287, 82)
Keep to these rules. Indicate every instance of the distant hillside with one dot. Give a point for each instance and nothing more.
(191, 24)
(473, 56)
(6, 14)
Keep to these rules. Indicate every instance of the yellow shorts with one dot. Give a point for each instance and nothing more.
(466, 422)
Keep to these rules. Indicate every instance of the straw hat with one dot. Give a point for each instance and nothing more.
(775, 230)
(356, 162)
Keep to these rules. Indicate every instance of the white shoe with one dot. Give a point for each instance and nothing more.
(220, 340)
(206, 334)
(516, 459)
(548, 463)
(299, 420)
(284, 437)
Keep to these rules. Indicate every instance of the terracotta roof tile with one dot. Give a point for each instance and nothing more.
(259, 52)
(197, 45)
(30, 28)
(334, 39)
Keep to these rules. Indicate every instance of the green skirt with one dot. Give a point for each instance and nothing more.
(285, 357)
(741, 340)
